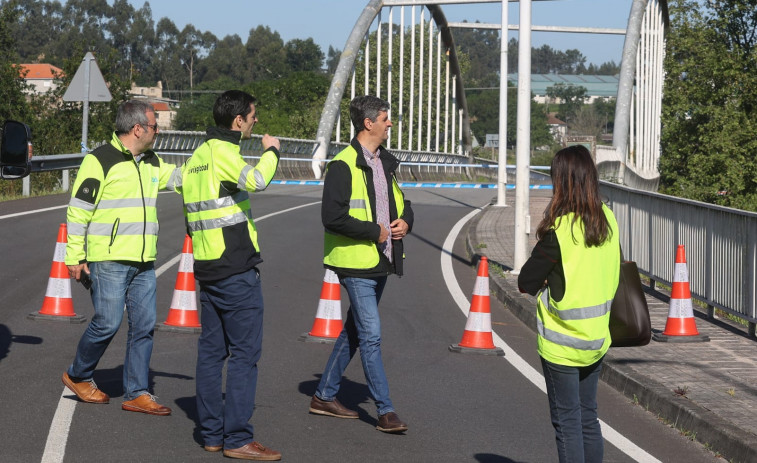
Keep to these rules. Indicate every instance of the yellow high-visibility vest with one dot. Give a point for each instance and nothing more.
(575, 330)
(344, 252)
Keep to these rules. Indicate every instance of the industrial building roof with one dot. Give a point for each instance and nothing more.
(600, 86)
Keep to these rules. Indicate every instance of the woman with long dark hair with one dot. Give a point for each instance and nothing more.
(573, 270)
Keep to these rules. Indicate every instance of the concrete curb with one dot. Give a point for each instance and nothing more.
(707, 428)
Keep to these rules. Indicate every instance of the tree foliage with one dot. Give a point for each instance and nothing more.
(710, 103)
(483, 107)
(12, 97)
(570, 99)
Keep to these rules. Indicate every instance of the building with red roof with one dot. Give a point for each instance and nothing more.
(41, 76)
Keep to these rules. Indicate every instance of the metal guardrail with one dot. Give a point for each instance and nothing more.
(296, 157)
(720, 243)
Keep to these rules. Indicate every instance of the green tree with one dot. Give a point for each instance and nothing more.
(303, 55)
(483, 107)
(12, 97)
(132, 35)
(332, 59)
(571, 98)
(266, 55)
(227, 59)
(709, 115)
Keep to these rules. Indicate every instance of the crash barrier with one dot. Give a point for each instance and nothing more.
(721, 244)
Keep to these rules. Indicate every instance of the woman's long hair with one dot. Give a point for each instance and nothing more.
(576, 189)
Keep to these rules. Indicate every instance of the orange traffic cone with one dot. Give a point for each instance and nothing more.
(680, 326)
(182, 315)
(477, 337)
(328, 318)
(58, 303)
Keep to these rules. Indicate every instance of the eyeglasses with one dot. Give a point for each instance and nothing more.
(154, 127)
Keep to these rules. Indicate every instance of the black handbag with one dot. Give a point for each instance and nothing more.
(629, 315)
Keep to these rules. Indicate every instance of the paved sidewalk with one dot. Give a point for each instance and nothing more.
(708, 389)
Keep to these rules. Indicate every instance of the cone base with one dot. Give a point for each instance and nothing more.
(177, 329)
(73, 319)
(660, 337)
(307, 337)
(457, 348)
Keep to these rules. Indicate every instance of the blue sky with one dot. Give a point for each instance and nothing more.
(329, 22)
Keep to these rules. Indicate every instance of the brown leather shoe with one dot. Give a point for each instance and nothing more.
(214, 448)
(390, 422)
(333, 408)
(86, 390)
(253, 451)
(145, 403)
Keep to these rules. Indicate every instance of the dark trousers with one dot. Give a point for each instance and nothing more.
(232, 328)
(572, 393)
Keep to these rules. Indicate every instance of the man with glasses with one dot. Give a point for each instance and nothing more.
(112, 238)
(214, 185)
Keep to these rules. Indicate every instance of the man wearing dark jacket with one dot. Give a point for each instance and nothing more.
(365, 216)
(215, 185)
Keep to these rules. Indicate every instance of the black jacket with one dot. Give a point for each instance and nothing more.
(335, 209)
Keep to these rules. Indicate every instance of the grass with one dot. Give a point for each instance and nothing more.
(32, 194)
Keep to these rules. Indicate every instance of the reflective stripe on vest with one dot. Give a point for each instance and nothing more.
(341, 251)
(207, 211)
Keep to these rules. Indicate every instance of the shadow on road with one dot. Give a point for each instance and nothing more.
(7, 338)
(490, 458)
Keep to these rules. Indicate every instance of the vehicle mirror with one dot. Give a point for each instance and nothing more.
(15, 150)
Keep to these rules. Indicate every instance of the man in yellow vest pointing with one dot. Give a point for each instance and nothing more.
(215, 185)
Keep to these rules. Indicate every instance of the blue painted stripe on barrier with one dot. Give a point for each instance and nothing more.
(420, 185)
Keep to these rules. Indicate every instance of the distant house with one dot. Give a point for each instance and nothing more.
(596, 86)
(40, 76)
(558, 128)
(164, 114)
(151, 93)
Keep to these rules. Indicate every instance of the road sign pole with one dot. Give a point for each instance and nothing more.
(85, 117)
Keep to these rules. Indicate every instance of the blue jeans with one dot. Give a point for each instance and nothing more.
(232, 328)
(116, 285)
(572, 395)
(361, 329)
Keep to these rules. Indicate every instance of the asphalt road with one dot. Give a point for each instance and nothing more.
(459, 408)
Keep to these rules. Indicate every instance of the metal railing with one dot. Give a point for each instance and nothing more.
(296, 158)
(720, 243)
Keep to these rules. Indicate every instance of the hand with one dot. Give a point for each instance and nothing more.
(269, 141)
(74, 271)
(384, 235)
(399, 229)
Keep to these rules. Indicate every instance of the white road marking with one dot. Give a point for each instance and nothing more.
(55, 447)
(18, 214)
(611, 435)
